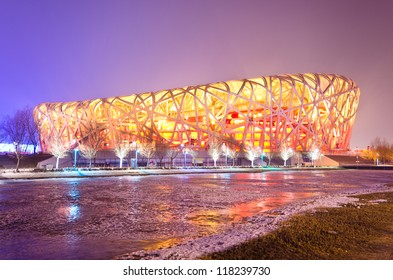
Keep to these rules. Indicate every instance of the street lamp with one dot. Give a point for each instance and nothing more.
(262, 155)
(136, 158)
(75, 154)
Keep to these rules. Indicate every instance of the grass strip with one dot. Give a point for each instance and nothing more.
(355, 231)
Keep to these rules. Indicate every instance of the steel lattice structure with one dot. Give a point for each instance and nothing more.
(299, 111)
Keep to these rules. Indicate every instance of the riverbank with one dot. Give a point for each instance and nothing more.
(255, 226)
(87, 173)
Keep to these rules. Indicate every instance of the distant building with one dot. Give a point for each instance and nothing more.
(298, 111)
(10, 148)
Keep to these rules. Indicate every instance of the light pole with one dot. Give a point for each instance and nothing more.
(75, 154)
(136, 158)
(262, 154)
(135, 144)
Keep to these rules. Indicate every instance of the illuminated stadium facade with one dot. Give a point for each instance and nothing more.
(300, 111)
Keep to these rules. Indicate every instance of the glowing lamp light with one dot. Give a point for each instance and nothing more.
(73, 213)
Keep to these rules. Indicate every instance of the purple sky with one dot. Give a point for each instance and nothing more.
(75, 50)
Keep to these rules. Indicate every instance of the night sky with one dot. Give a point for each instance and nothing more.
(52, 50)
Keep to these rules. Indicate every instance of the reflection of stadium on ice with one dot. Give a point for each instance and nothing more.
(298, 111)
(214, 220)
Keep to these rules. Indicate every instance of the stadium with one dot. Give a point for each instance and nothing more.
(300, 111)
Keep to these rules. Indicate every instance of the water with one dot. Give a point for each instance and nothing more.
(86, 218)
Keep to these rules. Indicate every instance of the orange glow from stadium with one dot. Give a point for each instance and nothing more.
(298, 110)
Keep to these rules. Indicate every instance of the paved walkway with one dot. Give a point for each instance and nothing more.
(28, 174)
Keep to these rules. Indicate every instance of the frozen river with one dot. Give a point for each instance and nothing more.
(99, 218)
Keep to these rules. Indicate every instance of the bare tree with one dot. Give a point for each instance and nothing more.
(88, 152)
(193, 153)
(58, 148)
(298, 156)
(382, 148)
(269, 156)
(186, 150)
(232, 154)
(147, 150)
(15, 130)
(172, 154)
(252, 153)
(314, 155)
(121, 150)
(161, 151)
(286, 153)
(371, 154)
(224, 152)
(214, 150)
(32, 129)
(91, 143)
(391, 152)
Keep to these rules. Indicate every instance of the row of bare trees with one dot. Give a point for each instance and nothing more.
(20, 130)
(146, 149)
(380, 151)
(217, 149)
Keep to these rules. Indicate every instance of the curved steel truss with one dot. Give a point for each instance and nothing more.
(298, 110)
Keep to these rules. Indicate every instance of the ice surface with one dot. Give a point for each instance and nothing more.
(101, 218)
